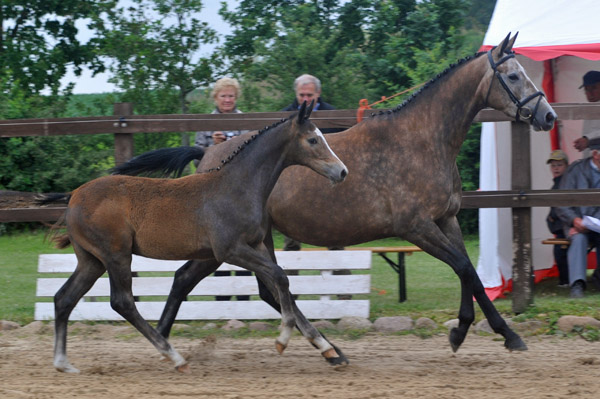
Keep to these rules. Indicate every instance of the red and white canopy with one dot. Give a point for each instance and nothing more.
(548, 28)
(559, 41)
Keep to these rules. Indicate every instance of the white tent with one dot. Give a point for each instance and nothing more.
(558, 42)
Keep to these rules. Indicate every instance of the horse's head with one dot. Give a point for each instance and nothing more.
(309, 147)
(511, 91)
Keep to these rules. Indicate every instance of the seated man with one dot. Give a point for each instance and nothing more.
(582, 174)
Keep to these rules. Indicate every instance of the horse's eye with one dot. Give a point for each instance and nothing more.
(312, 141)
(513, 77)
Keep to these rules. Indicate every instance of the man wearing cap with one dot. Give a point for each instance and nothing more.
(558, 162)
(591, 128)
(581, 174)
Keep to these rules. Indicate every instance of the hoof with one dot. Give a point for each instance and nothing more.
(280, 347)
(515, 344)
(184, 369)
(335, 357)
(456, 339)
(66, 368)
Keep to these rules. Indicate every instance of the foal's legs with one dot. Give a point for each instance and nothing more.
(88, 270)
(121, 300)
(186, 278)
(277, 282)
(445, 243)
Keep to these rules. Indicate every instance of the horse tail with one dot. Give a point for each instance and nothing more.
(164, 162)
(50, 198)
(61, 240)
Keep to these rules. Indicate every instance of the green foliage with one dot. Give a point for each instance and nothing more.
(73, 161)
(39, 40)
(152, 45)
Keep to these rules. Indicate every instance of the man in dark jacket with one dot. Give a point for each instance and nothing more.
(582, 230)
(558, 162)
(308, 88)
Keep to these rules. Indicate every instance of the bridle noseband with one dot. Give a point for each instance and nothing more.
(522, 112)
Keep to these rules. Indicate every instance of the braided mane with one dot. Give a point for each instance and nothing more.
(246, 142)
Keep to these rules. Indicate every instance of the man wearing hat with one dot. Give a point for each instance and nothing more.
(591, 128)
(581, 174)
(558, 162)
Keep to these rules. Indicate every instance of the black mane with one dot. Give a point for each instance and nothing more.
(431, 82)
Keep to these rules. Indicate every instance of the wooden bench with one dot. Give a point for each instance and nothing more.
(557, 241)
(399, 266)
(154, 289)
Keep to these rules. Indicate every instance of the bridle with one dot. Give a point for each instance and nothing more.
(522, 112)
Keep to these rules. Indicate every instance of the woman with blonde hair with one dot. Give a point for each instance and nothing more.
(225, 94)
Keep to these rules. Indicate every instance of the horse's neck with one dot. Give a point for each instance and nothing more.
(445, 110)
(260, 164)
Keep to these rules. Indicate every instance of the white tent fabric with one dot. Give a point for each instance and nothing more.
(565, 32)
(560, 25)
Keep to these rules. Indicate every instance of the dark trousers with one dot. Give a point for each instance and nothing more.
(293, 245)
(560, 257)
(220, 273)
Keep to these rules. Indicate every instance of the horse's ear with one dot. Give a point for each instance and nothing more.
(305, 111)
(499, 49)
(302, 113)
(510, 43)
(309, 110)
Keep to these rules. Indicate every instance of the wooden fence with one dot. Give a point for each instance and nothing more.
(124, 124)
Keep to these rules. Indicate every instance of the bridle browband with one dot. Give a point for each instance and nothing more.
(522, 112)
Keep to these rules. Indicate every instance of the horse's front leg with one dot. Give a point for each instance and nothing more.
(186, 278)
(451, 229)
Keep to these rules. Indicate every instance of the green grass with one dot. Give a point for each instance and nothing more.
(433, 288)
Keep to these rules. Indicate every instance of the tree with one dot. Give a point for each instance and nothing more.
(153, 46)
(38, 40)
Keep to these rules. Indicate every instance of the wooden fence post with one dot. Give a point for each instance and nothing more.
(521, 217)
(123, 141)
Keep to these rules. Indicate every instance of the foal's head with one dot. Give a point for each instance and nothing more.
(511, 91)
(309, 148)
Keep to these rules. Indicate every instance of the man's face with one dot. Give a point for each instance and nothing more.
(592, 92)
(307, 92)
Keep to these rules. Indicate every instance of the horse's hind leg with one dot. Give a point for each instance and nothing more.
(186, 278)
(88, 270)
(121, 300)
(512, 340)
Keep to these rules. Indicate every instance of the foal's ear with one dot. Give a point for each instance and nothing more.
(305, 111)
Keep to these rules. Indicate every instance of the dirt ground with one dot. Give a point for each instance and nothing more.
(116, 362)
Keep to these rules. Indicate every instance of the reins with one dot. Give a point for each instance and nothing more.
(522, 112)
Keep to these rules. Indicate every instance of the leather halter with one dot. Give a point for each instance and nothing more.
(522, 112)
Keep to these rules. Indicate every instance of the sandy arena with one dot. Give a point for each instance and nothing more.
(116, 362)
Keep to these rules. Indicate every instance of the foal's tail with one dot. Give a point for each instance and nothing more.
(61, 240)
(165, 161)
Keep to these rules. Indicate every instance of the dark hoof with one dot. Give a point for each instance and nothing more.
(456, 339)
(515, 344)
(338, 360)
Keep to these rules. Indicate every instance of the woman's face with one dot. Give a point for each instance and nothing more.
(225, 100)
